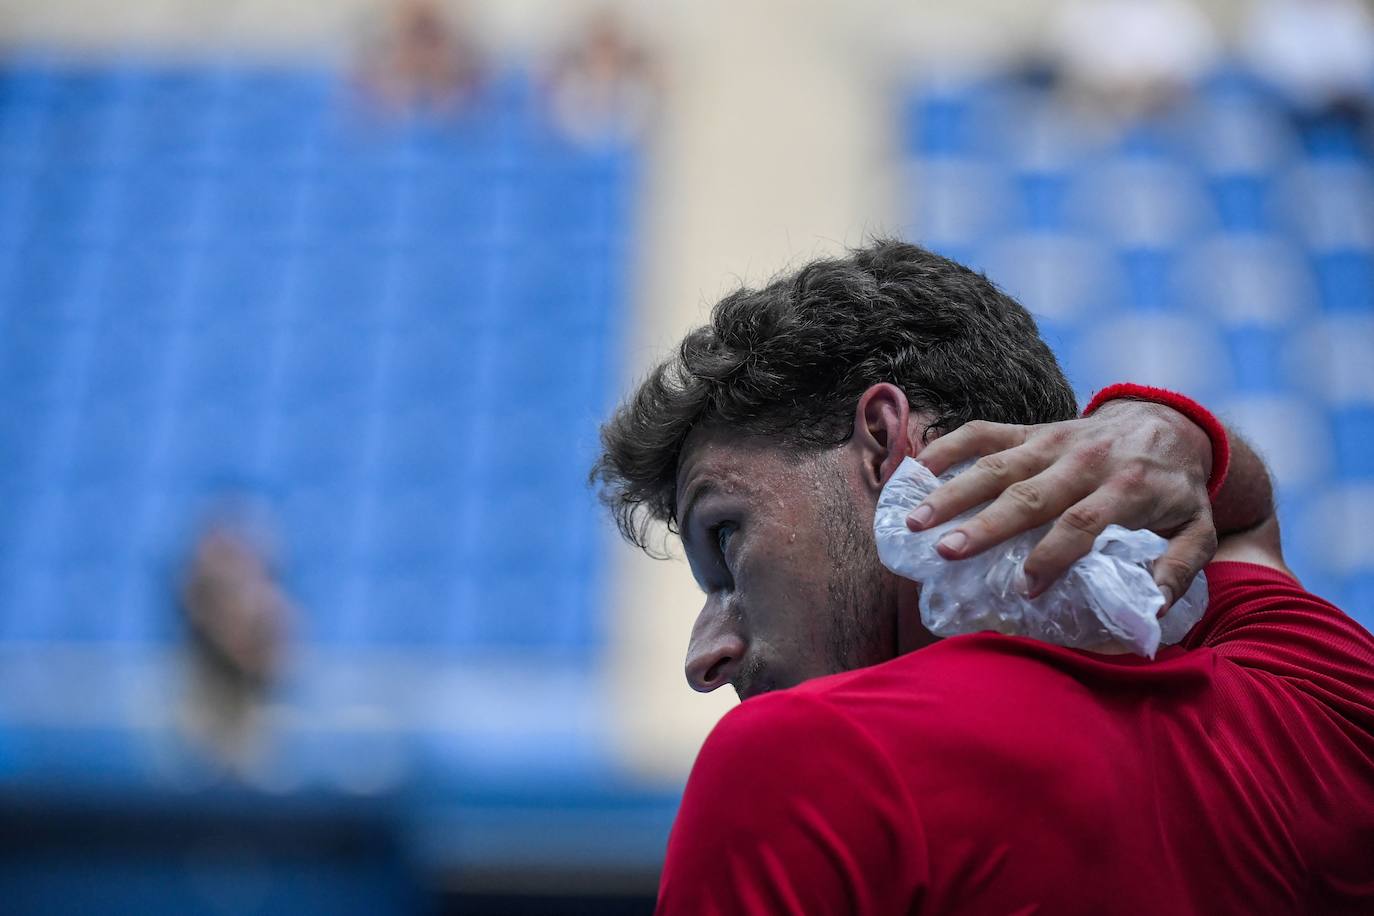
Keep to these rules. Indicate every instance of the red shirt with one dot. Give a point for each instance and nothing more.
(995, 774)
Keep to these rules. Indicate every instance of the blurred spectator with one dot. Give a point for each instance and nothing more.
(421, 56)
(1131, 57)
(603, 86)
(237, 617)
(1318, 53)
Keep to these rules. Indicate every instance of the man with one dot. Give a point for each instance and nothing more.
(237, 617)
(879, 770)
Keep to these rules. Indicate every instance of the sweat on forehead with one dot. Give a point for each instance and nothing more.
(733, 461)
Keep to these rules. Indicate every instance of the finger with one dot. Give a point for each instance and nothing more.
(985, 481)
(975, 438)
(1190, 549)
(1022, 506)
(1073, 533)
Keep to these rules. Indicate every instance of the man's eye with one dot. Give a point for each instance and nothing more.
(724, 531)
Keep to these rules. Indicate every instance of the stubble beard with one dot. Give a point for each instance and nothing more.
(860, 591)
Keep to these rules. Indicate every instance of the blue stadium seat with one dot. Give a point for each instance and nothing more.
(1330, 358)
(574, 200)
(474, 142)
(25, 90)
(1142, 203)
(940, 122)
(212, 434)
(81, 120)
(273, 117)
(1331, 205)
(411, 607)
(1242, 202)
(1243, 248)
(342, 285)
(245, 281)
(1148, 138)
(320, 591)
(1291, 433)
(1353, 428)
(1044, 196)
(518, 606)
(126, 350)
(1359, 596)
(1147, 273)
(1231, 81)
(1172, 351)
(1257, 358)
(320, 517)
(354, 204)
(1239, 138)
(26, 81)
(70, 205)
(331, 363)
(136, 291)
(229, 355)
(457, 203)
(107, 438)
(170, 115)
(448, 291)
(1333, 137)
(1247, 280)
(98, 583)
(253, 201)
(1331, 531)
(415, 522)
(439, 363)
(31, 352)
(958, 202)
(559, 291)
(96, 521)
(24, 429)
(318, 437)
(425, 441)
(1061, 278)
(1346, 279)
(234, 274)
(332, 603)
(159, 204)
(52, 282)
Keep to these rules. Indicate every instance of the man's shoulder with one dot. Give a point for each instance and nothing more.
(956, 670)
(973, 717)
(927, 694)
(791, 744)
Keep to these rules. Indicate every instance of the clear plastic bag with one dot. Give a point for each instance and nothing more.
(1106, 599)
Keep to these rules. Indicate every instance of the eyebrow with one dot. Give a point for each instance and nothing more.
(694, 495)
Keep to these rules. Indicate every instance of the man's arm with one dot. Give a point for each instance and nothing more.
(1132, 463)
(792, 808)
(1247, 526)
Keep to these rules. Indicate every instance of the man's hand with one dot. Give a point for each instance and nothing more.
(1132, 463)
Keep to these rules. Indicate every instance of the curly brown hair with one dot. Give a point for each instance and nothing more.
(791, 360)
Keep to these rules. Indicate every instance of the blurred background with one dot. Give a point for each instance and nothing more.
(309, 313)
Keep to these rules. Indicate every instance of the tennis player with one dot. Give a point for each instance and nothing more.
(876, 769)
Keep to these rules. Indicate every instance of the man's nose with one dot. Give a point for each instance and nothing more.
(716, 650)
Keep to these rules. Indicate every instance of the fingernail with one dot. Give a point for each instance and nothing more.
(1032, 585)
(1168, 599)
(954, 542)
(922, 516)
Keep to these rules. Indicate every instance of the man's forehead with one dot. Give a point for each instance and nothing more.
(722, 457)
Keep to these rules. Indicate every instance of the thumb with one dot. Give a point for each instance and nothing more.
(1190, 549)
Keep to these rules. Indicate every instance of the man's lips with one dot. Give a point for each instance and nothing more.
(752, 685)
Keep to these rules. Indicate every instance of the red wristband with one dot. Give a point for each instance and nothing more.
(1221, 447)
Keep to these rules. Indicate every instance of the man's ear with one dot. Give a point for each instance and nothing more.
(881, 433)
